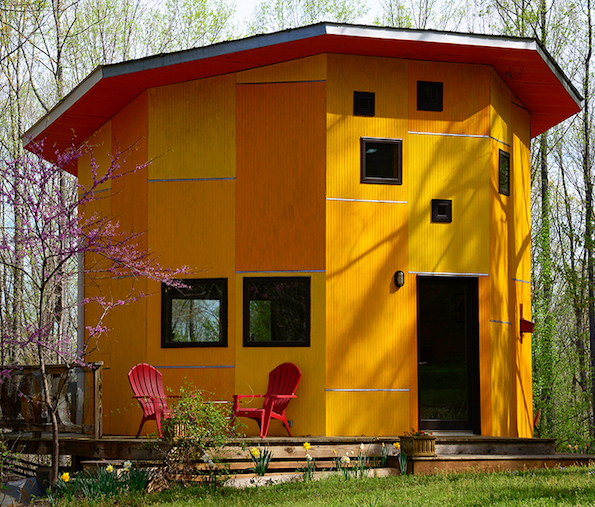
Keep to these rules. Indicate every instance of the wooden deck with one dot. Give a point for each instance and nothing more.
(454, 453)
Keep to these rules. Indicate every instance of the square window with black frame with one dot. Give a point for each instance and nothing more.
(504, 173)
(429, 96)
(363, 103)
(381, 161)
(441, 210)
(277, 312)
(194, 315)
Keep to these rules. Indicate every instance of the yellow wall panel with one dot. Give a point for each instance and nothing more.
(192, 223)
(387, 79)
(523, 362)
(520, 160)
(485, 360)
(369, 325)
(253, 365)
(503, 385)
(452, 168)
(367, 413)
(192, 129)
(312, 68)
(500, 126)
(280, 182)
(500, 209)
(466, 98)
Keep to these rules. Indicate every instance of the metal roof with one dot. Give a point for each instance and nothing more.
(525, 66)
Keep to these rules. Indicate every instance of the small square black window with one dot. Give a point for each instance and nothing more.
(441, 210)
(363, 103)
(381, 161)
(504, 173)
(196, 315)
(277, 312)
(429, 96)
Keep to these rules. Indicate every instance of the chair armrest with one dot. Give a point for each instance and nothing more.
(238, 397)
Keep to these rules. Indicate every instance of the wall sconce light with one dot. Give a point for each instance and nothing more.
(399, 279)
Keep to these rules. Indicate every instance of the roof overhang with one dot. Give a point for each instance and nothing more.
(523, 64)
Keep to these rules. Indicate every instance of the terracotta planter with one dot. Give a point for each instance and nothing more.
(418, 446)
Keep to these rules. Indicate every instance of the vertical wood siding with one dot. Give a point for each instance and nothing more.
(192, 129)
(280, 182)
(387, 79)
(253, 364)
(455, 168)
(312, 68)
(466, 98)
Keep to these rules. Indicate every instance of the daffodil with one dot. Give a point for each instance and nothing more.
(361, 446)
(65, 477)
(397, 445)
(128, 465)
(308, 457)
(109, 469)
(255, 452)
(307, 446)
(345, 460)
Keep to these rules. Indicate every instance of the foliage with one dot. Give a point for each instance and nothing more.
(261, 457)
(418, 433)
(197, 434)
(308, 470)
(107, 481)
(570, 486)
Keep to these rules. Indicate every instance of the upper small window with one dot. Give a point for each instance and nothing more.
(429, 96)
(504, 173)
(277, 312)
(382, 160)
(194, 316)
(363, 103)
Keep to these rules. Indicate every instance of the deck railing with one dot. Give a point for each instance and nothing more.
(78, 391)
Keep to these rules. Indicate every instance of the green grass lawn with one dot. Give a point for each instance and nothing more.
(569, 486)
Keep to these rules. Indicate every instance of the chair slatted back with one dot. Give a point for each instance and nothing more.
(284, 379)
(146, 380)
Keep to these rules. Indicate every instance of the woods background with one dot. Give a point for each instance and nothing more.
(48, 47)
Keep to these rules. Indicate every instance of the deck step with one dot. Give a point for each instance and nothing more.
(478, 445)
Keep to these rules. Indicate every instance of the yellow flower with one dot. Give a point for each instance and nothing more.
(109, 469)
(307, 446)
(65, 477)
(397, 445)
(255, 452)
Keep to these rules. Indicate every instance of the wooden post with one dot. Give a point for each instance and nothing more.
(97, 400)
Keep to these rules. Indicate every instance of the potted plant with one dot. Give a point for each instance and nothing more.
(418, 443)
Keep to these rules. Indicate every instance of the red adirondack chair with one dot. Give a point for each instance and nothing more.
(283, 382)
(147, 386)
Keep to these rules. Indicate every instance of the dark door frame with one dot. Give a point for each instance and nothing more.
(472, 321)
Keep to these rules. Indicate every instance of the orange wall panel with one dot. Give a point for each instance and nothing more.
(280, 182)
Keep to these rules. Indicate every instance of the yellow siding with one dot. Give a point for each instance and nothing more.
(367, 413)
(449, 168)
(368, 320)
(387, 78)
(192, 129)
(280, 184)
(466, 98)
(253, 364)
(500, 95)
(312, 68)
(503, 384)
(485, 354)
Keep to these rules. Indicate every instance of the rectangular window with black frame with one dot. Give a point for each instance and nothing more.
(381, 161)
(277, 312)
(195, 315)
(504, 173)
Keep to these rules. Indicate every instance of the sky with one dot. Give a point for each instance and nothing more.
(244, 9)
